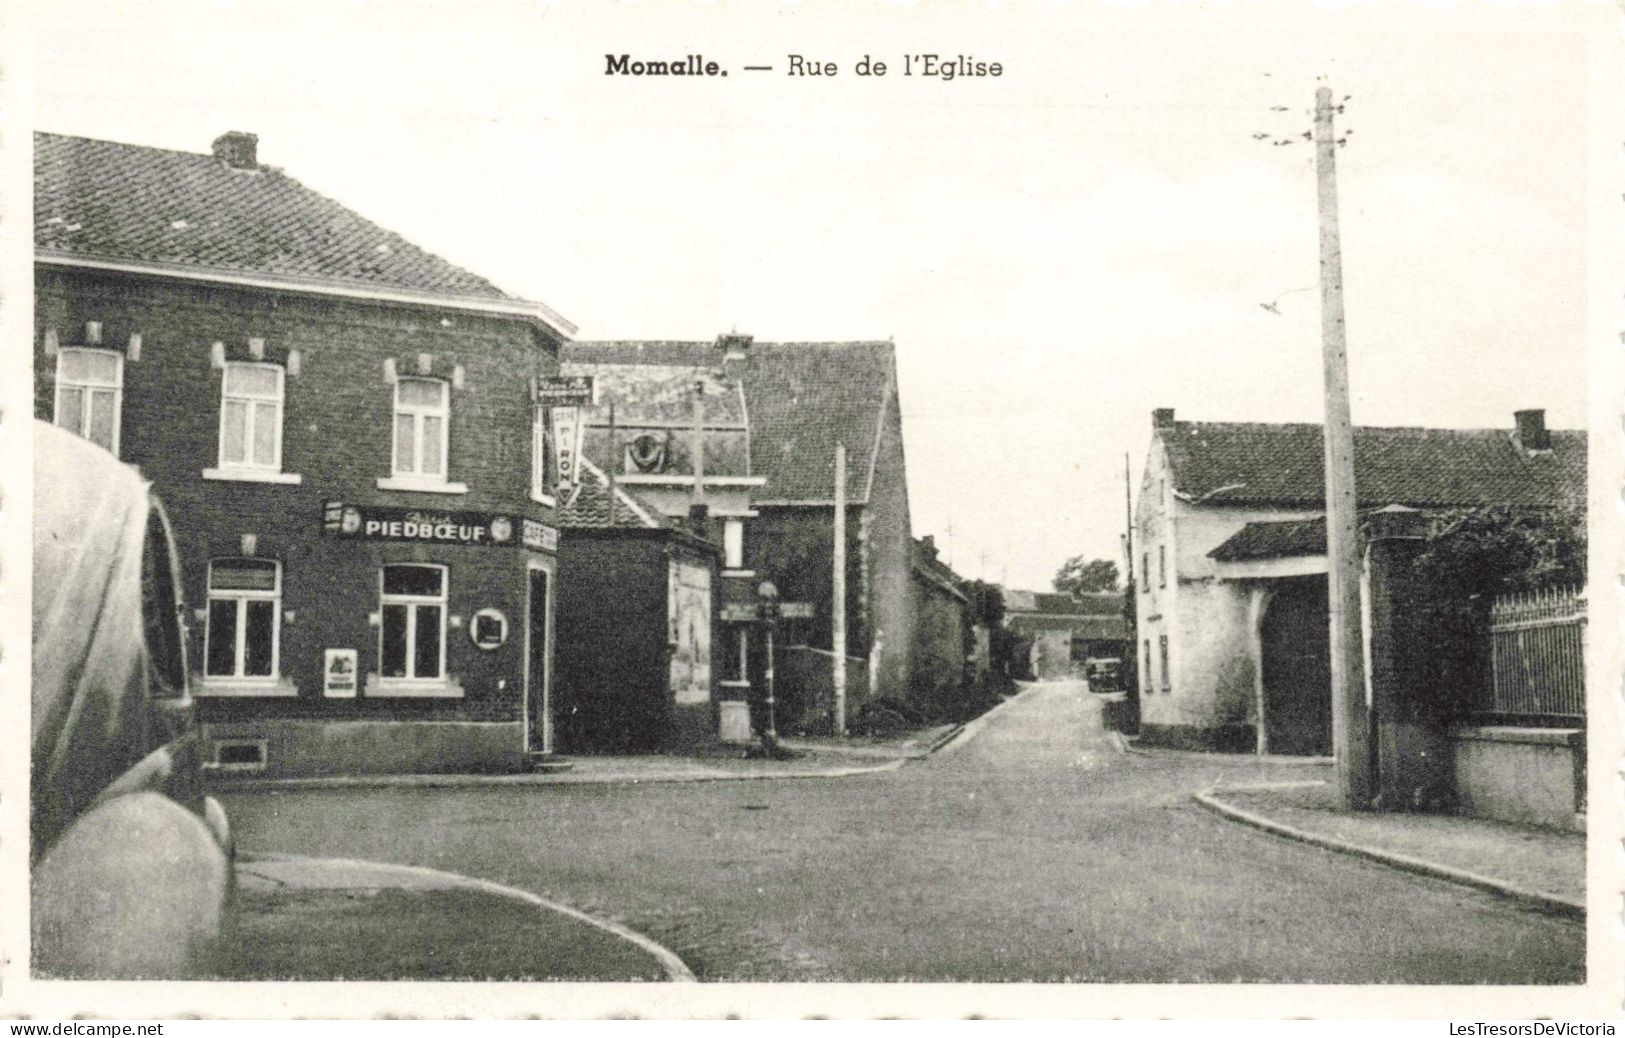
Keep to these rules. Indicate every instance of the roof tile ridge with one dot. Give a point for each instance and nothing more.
(397, 236)
(129, 144)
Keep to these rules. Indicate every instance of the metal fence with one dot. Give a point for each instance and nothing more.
(1538, 655)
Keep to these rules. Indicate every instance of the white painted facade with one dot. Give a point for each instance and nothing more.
(1208, 612)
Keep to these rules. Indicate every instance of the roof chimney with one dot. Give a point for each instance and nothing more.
(1531, 433)
(1162, 418)
(238, 150)
(734, 346)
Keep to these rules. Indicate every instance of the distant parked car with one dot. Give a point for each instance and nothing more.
(1105, 673)
(130, 862)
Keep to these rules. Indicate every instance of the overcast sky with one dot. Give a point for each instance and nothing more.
(1055, 251)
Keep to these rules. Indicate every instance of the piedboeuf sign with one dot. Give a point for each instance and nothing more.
(431, 526)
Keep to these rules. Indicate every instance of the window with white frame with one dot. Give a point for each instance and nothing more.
(733, 544)
(243, 633)
(422, 413)
(412, 636)
(89, 391)
(251, 417)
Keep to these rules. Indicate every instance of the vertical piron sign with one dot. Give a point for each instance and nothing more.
(567, 428)
(564, 396)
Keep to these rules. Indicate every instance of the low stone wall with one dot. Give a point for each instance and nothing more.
(806, 687)
(1531, 775)
(298, 749)
(1227, 738)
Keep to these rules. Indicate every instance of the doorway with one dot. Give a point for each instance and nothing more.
(538, 632)
(1296, 640)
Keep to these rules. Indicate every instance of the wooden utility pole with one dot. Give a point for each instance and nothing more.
(613, 462)
(1351, 713)
(699, 442)
(838, 606)
(1128, 522)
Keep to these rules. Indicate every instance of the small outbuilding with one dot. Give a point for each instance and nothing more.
(637, 613)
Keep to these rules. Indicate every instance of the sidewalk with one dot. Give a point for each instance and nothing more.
(811, 761)
(317, 919)
(908, 746)
(1542, 867)
(1230, 759)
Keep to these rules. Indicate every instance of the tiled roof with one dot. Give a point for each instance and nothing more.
(1089, 628)
(1229, 463)
(1097, 603)
(661, 393)
(590, 509)
(101, 200)
(801, 399)
(1274, 540)
(933, 569)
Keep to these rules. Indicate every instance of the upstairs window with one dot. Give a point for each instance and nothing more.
(412, 642)
(733, 544)
(421, 418)
(1162, 565)
(89, 392)
(1145, 573)
(245, 605)
(539, 481)
(251, 417)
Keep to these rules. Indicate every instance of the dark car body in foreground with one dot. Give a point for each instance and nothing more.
(130, 861)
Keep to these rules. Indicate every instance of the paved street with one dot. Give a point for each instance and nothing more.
(1036, 850)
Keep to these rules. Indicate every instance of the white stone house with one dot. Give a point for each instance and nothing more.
(1230, 564)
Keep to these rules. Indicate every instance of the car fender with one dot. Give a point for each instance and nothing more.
(135, 888)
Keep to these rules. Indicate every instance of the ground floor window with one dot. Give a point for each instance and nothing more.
(736, 653)
(1150, 675)
(412, 638)
(242, 632)
(1162, 651)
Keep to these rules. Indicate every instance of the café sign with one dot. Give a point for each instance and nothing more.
(540, 536)
(434, 526)
(565, 391)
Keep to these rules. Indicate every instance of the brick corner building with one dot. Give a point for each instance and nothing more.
(343, 429)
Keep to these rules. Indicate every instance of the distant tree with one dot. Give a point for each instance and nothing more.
(1080, 575)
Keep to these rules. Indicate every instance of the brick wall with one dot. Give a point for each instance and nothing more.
(794, 546)
(889, 551)
(611, 692)
(336, 434)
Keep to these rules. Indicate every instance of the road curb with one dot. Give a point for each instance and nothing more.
(1551, 904)
(945, 738)
(967, 731)
(1217, 757)
(676, 970)
(458, 781)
